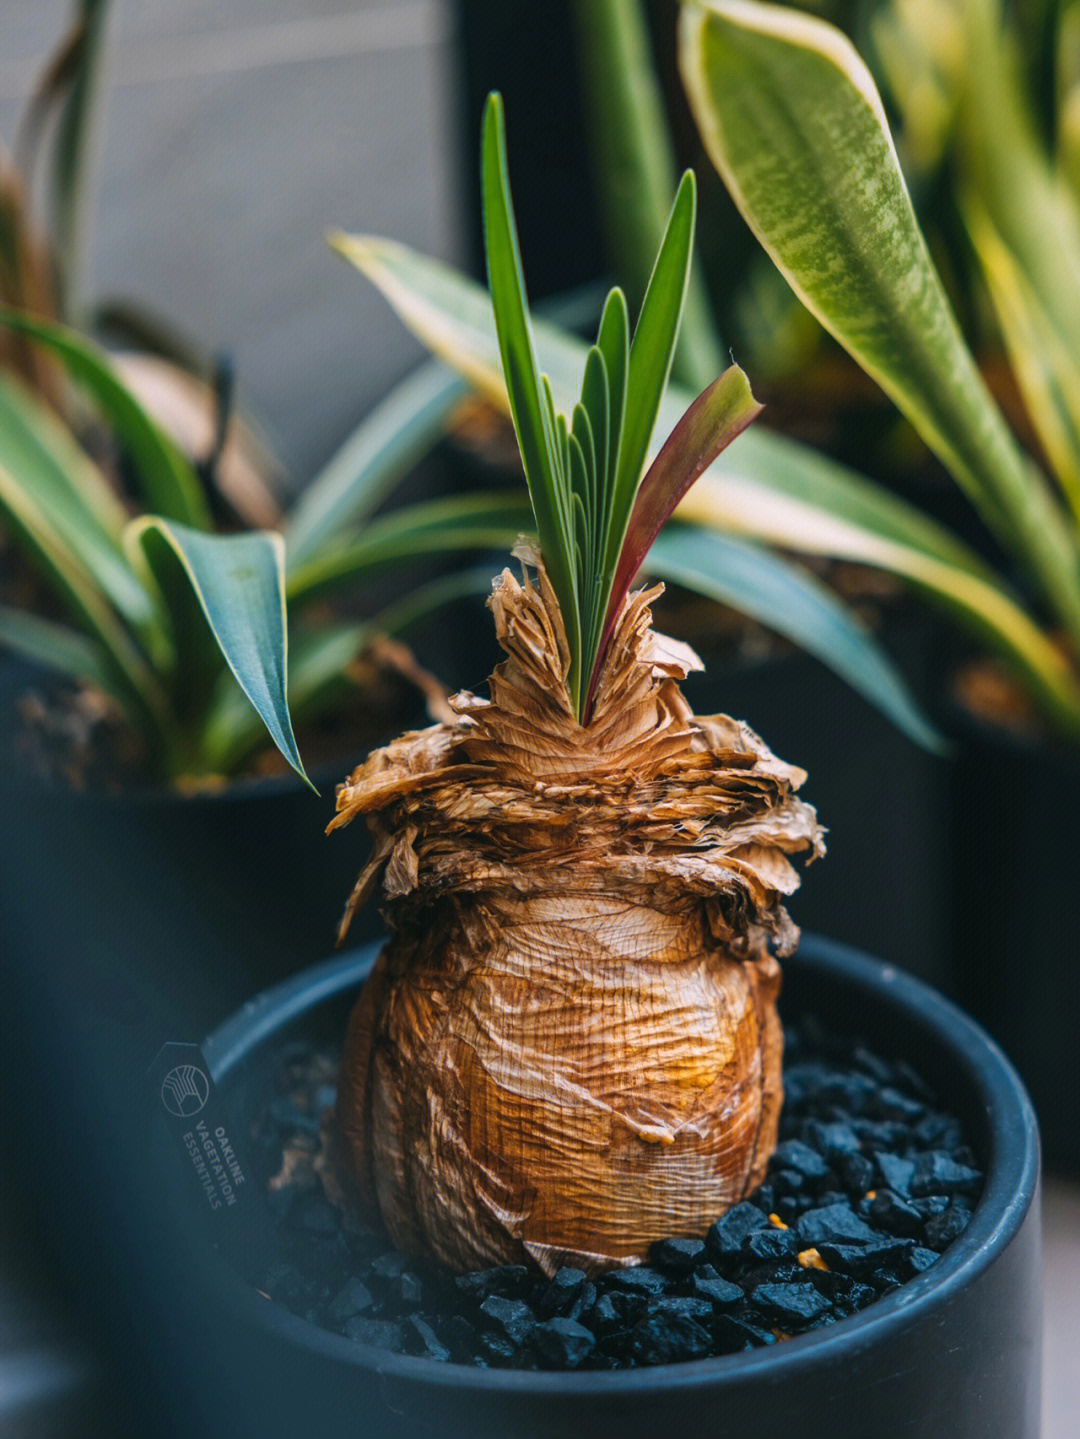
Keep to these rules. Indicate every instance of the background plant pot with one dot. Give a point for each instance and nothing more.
(954, 1352)
(886, 884)
(164, 909)
(1018, 917)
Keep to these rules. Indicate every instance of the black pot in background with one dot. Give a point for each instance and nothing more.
(954, 1352)
(885, 884)
(160, 910)
(1018, 918)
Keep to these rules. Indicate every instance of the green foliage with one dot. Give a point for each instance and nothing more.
(239, 584)
(793, 121)
(634, 166)
(765, 486)
(584, 473)
(185, 629)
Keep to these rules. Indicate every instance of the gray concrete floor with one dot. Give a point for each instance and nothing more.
(1061, 1329)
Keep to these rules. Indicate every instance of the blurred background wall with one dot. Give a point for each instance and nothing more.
(232, 134)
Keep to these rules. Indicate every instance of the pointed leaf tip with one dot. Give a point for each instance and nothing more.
(718, 415)
(239, 582)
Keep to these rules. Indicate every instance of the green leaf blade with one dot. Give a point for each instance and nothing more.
(131, 680)
(239, 582)
(168, 482)
(366, 468)
(55, 647)
(793, 122)
(69, 490)
(651, 352)
(794, 604)
(531, 409)
(718, 415)
(767, 487)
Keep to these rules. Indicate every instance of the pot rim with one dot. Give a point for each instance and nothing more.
(1010, 1189)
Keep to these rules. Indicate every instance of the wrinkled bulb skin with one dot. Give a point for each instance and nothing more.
(569, 1048)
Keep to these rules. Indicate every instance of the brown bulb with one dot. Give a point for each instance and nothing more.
(569, 1047)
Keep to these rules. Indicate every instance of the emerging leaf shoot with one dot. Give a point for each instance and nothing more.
(595, 516)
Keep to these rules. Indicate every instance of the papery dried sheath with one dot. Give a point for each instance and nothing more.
(569, 1047)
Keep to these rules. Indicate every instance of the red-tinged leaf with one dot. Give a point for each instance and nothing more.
(716, 417)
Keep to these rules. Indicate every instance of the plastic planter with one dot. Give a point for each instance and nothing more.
(955, 1351)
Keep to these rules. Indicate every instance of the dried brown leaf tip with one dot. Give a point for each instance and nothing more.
(570, 1048)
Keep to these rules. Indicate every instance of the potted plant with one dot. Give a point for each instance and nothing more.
(135, 721)
(1027, 502)
(608, 150)
(773, 490)
(566, 1059)
(149, 765)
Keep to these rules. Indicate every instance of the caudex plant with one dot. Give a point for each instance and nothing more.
(569, 1047)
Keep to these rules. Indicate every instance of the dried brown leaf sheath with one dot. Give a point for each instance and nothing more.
(569, 1048)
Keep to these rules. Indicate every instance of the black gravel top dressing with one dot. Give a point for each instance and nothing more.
(870, 1182)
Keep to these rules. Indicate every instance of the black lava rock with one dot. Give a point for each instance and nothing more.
(405, 1291)
(720, 1293)
(726, 1236)
(835, 1141)
(682, 1307)
(420, 1338)
(583, 1304)
(877, 1068)
(797, 1157)
(919, 1260)
(850, 1301)
(889, 1103)
(896, 1173)
(390, 1265)
(461, 1337)
(734, 1333)
(605, 1317)
(944, 1228)
(834, 1224)
(790, 1305)
(561, 1293)
(637, 1280)
(764, 1198)
(508, 1281)
(857, 1173)
(775, 1271)
(894, 1215)
(939, 1173)
(771, 1243)
(788, 1182)
(628, 1307)
(929, 1208)
(668, 1338)
(938, 1131)
(563, 1343)
(677, 1256)
(353, 1298)
(380, 1333)
(509, 1319)
(862, 1260)
(867, 1171)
